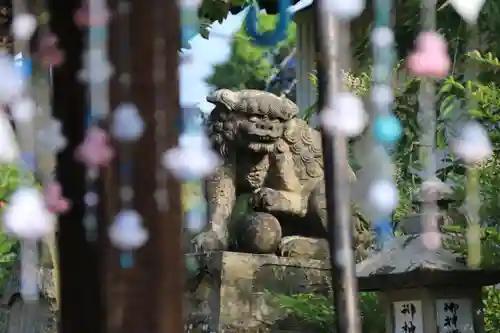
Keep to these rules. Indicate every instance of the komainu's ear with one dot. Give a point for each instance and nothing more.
(225, 97)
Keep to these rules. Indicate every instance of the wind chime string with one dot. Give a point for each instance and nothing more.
(472, 143)
(483, 150)
(193, 159)
(386, 129)
(95, 151)
(126, 232)
(27, 216)
(429, 61)
(375, 186)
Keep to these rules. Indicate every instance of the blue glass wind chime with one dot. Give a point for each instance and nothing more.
(382, 194)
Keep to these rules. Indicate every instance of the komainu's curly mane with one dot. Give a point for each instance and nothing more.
(305, 144)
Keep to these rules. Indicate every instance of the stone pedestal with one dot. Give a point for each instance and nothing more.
(237, 292)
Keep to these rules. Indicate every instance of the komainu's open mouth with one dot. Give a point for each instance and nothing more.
(265, 147)
(262, 138)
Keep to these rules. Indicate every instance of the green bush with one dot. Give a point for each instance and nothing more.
(318, 313)
(9, 180)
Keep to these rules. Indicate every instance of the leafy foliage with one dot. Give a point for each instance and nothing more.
(317, 311)
(491, 311)
(9, 181)
(249, 67)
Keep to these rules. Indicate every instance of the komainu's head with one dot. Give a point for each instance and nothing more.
(248, 119)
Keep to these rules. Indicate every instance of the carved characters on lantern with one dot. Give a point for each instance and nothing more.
(454, 316)
(408, 317)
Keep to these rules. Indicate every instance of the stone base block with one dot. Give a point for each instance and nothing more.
(239, 292)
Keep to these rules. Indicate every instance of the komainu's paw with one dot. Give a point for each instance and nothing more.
(304, 247)
(208, 241)
(266, 200)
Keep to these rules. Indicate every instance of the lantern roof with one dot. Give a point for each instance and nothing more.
(405, 262)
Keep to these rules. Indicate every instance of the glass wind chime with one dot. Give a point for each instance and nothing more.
(30, 213)
(126, 231)
(193, 159)
(382, 195)
(471, 143)
(347, 117)
(95, 151)
(430, 61)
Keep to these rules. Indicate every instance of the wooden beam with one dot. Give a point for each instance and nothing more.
(81, 307)
(148, 296)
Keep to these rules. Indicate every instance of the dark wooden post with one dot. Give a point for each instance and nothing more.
(81, 308)
(331, 62)
(148, 297)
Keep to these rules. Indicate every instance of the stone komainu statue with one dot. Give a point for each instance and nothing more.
(275, 160)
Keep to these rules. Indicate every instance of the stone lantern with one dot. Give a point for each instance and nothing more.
(425, 291)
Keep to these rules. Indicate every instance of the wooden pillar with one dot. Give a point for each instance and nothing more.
(306, 60)
(81, 306)
(148, 296)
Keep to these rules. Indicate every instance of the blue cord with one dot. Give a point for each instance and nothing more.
(268, 38)
(126, 260)
(383, 230)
